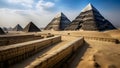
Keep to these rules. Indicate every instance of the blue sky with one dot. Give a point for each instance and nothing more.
(41, 12)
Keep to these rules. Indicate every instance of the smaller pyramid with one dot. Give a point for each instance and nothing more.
(9, 28)
(1, 31)
(17, 28)
(59, 22)
(31, 27)
(5, 29)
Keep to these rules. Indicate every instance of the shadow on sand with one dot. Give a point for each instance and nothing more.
(76, 58)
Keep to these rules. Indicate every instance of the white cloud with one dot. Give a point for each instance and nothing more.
(40, 15)
(10, 19)
(27, 3)
(23, 17)
(21, 1)
(44, 6)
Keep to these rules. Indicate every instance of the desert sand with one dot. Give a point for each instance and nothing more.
(94, 53)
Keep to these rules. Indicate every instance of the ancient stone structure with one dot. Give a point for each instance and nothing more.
(5, 29)
(8, 40)
(15, 53)
(110, 40)
(60, 22)
(1, 31)
(17, 28)
(49, 60)
(90, 19)
(31, 27)
(10, 29)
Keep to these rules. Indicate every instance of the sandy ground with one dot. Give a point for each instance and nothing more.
(114, 33)
(80, 33)
(94, 54)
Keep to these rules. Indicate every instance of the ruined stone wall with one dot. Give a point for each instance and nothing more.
(48, 60)
(112, 40)
(14, 53)
(7, 40)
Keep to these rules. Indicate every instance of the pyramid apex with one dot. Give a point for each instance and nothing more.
(18, 28)
(59, 14)
(89, 7)
(90, 4)
(18, 25)
(31, 22)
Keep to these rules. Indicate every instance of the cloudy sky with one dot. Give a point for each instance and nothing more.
(41, 12)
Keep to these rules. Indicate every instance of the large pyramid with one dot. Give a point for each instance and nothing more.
(1, 31)
(31, 27)
(90, 19)
(17, 28)
(60, 22)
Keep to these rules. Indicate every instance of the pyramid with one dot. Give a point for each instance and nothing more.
(31, 27)
(60, 22)
(90, 19)
(10, 29)
(17, 28)
(1, 31)
(5, 29)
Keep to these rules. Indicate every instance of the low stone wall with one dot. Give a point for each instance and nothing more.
(14, 53)
(48, 60)
(102, 39)
(8, 40)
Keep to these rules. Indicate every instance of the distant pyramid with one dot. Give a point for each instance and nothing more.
(1, 31)
(31, 27)
(60, 22)
(17, 28)
(90, 19)
(5, 29)
(9, 28)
